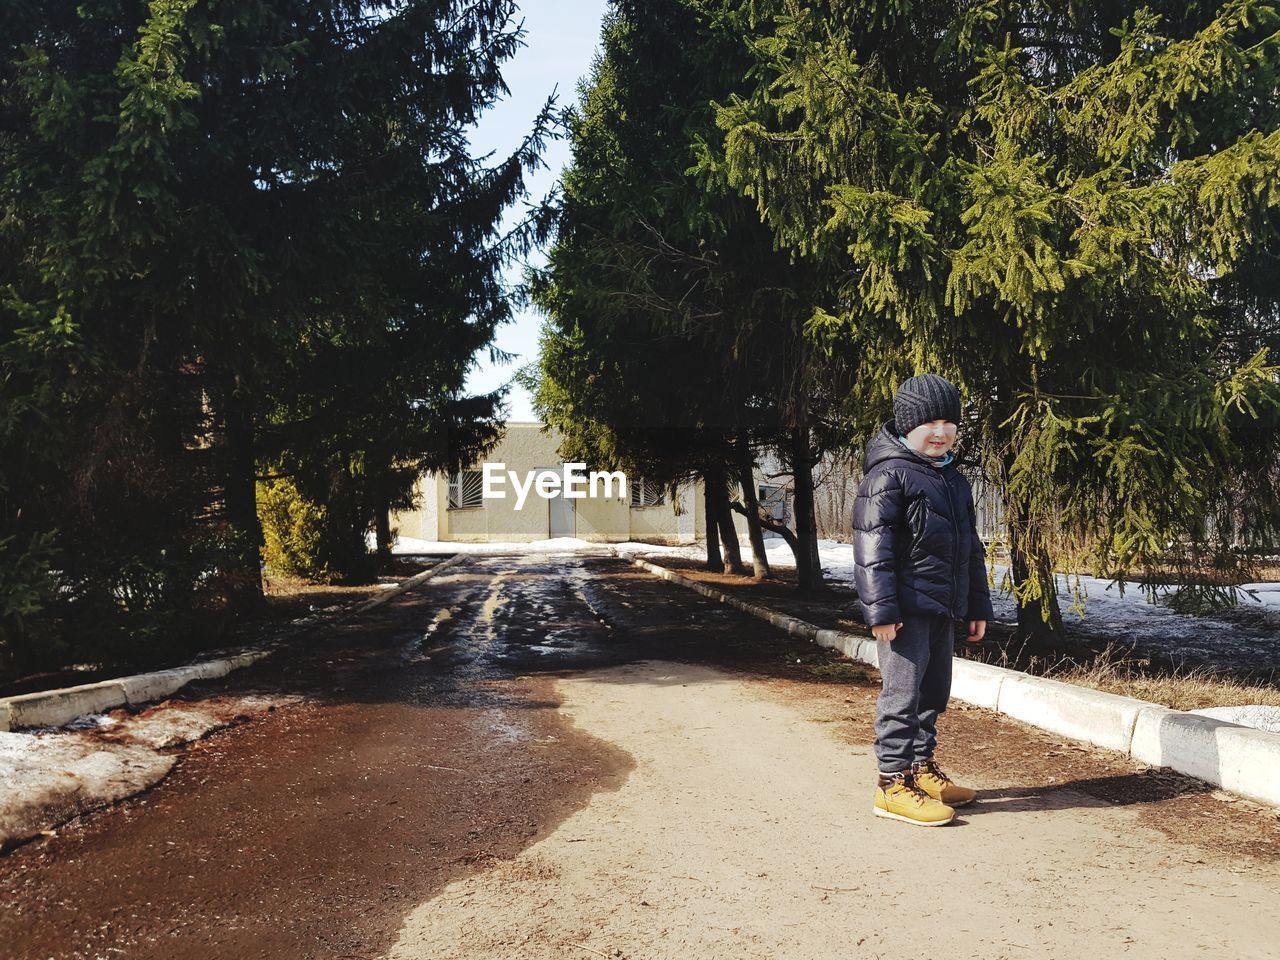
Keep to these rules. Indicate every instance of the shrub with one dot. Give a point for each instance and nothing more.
(28, 585)
(307, 539)
(292, 528)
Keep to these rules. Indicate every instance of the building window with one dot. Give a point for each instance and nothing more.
(645, 493)
(466, 489)
(773, 501)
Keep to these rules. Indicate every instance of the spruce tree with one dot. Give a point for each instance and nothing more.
(675, 336)
(236, 236)
(1051, 204)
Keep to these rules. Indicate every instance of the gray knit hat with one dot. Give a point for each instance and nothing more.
(923, 399)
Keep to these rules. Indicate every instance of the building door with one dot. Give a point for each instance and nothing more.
(564, 513)
(564, 516)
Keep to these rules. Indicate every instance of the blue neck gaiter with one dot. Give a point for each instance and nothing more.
(938, 462)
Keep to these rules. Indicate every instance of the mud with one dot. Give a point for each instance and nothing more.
(428, 745)
(427, 748)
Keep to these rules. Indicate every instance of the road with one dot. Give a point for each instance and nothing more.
(562, 756)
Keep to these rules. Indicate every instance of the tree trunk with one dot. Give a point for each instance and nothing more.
(715, 562)
(382, 531)
(808, 562)
(1024, 565)
(379, 486)
(728, 534)
(1039, 620)
(751, 505)
(244, 578)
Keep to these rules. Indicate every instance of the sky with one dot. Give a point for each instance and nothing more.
(561, 37)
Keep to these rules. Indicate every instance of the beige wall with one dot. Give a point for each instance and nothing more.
(526, 447)
(522, 448)
(422, 523)
(470, 523)
(604, 518)
(657, 523)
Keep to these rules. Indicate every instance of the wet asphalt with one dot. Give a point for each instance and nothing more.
(428, 744)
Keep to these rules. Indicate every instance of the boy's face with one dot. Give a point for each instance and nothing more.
(934, 439)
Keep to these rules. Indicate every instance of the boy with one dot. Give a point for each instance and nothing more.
(920, 569)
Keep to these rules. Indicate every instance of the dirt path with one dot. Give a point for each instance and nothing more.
(404, 759)
(566, 757)
(744, 830)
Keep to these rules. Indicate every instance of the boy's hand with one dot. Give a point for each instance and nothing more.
(886, 631)
(977, 630)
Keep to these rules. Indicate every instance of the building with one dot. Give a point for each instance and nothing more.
(455, 508)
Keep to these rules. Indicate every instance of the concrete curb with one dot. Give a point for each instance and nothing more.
(1103, 719)
(1236, 758)
(53, 708)
(412, 582)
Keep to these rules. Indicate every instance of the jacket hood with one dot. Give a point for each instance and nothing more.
(885, 445)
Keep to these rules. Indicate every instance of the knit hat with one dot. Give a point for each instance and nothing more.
(924, 399)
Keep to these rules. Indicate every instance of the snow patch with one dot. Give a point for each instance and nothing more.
(49, 777)
(47, 780)
(1256, 715)
(409, 545)
(91, 721)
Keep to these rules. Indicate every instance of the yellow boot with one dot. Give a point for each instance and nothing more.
(930, 778)
(899, 798)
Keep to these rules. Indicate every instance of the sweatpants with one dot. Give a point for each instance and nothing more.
(915, 668)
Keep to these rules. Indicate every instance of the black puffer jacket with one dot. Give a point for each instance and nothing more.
(915, 538)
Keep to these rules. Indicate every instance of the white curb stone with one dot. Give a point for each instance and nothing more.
(1237, 758)
(978, 683)
(797, 628)
(53, 708)
(209, 670)
(1162, 737)
(247, 659)
(1104, 719)
(869, 652)
(847, 643)
(145, 687)
(60, 706)
(409, 584)
(1249, 763)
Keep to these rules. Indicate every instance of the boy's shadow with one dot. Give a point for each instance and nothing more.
(1153, 786)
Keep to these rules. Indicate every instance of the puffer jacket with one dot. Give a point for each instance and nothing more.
(915, 538)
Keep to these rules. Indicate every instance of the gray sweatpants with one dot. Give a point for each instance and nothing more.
(916, 683)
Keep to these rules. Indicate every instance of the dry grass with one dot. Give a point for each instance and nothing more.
(278, 585)
(841, 672)
(1192, 689)
(281, 585)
